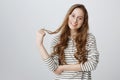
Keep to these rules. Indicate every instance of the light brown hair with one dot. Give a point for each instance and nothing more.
(80, 39)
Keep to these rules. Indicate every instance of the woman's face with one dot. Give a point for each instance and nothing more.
(76, 19)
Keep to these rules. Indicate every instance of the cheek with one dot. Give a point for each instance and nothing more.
(80, 24)
(69, 21)
(70, 18)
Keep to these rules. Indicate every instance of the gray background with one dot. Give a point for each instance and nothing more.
(20, 19)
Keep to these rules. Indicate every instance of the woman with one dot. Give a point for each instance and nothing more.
(74, 53)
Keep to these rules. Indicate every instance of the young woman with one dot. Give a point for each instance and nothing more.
(74, 54)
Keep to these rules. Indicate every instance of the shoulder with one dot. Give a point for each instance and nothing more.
(90, 35)
(91, 38)
(91, 42)
(56, 38)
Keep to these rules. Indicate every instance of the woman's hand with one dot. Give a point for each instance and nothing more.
(59, 70)
(69, 67)
(40, 36)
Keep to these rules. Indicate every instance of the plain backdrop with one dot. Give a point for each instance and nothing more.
(20, 19)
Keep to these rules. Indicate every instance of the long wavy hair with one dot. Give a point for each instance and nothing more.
(80, 39)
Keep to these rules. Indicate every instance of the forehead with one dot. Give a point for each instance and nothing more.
(78, 12)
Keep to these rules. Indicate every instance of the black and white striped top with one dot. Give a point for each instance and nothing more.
(86, 68)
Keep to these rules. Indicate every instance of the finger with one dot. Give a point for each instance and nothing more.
(41, 31)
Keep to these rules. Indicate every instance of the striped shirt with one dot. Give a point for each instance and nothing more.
(86, 68)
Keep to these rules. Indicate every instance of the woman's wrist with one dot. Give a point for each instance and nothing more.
(62, 67)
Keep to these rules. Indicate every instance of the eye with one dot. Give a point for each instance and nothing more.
(80, 18)
(73, 15)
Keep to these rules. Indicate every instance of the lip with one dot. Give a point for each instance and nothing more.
(73, 24)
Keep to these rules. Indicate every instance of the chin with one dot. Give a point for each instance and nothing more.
(73, 28)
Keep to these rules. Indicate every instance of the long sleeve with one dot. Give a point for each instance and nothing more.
(93, 55)
(52, 62)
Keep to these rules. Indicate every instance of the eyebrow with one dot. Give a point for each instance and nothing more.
(81, 16)
(78, 16)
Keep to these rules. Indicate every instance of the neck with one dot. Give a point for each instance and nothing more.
(73, 34)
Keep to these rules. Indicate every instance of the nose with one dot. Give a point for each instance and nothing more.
(75, 20)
